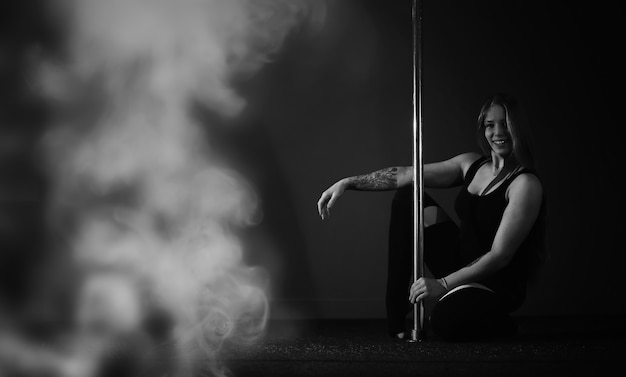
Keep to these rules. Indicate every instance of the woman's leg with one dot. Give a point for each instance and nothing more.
(440, 247)
(400, 259)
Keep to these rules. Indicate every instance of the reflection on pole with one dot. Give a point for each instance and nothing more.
(418, 169)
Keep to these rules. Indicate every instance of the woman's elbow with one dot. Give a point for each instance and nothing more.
(501, 259)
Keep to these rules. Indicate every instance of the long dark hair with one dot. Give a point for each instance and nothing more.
(519, 128)
(517, 124)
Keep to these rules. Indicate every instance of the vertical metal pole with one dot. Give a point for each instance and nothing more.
(418, 169)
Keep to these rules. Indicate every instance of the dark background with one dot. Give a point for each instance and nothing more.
(336, 101)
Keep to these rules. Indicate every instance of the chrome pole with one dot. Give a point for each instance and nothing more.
(418, 169)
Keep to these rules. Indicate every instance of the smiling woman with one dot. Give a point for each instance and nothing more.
(480, 269)
(497, 134)
(503, 129)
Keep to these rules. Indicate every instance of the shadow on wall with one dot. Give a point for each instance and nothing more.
(332, 104)
(276, 242)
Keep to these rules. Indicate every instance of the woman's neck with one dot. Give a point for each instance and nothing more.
(500, 164)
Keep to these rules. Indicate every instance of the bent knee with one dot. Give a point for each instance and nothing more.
(434, 215)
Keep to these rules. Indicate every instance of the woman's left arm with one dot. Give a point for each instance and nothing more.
(524, 203)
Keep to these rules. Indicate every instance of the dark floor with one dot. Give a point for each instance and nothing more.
(589, 346)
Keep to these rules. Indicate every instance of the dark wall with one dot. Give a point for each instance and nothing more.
(338, 102)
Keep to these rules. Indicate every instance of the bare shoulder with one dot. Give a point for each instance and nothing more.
(465, 160)
(526, 186)
(448, 173)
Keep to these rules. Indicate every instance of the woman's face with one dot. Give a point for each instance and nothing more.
(497, 131)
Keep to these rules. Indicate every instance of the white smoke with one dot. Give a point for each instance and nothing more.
(136, 189)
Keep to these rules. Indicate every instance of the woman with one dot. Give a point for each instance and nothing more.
(482, 268)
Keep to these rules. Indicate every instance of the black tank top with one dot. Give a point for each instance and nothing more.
(480, 217)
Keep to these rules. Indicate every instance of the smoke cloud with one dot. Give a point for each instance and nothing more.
(141, 202)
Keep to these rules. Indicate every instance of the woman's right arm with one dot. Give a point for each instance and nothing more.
(380, 180)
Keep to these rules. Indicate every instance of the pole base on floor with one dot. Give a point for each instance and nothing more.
(416, 336)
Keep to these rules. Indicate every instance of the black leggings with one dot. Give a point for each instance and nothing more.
(470, 313)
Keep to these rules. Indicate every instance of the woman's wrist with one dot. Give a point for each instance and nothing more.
(345, 184)
(444, 283)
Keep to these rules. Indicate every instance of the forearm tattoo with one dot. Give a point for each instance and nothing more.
(385, 179)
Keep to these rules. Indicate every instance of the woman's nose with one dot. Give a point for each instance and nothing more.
(499, 128)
